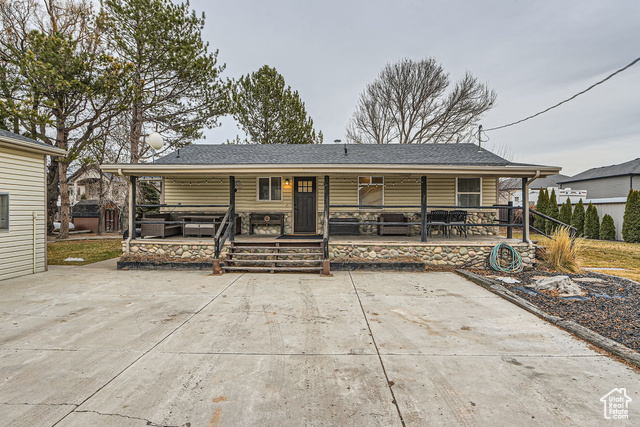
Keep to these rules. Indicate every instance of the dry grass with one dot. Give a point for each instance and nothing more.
(562, 252)
(89, 250)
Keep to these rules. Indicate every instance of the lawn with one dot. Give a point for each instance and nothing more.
(89, 250)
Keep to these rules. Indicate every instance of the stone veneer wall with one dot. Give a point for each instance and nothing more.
(445, 254)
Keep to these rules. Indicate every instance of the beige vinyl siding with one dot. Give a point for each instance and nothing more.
(22, 176)
(399, 190)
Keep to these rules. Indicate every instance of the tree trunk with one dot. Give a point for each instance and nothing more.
(65, 208)
(53, 192)
(136, 132)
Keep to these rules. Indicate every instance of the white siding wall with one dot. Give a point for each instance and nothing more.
(22, 176)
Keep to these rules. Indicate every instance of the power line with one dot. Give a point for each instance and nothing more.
(568, 99)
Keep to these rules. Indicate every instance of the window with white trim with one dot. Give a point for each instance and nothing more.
(4, 211)
(270, 189)
(469, 192)
(370, 191)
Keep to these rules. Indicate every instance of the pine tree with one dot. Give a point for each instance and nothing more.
(592, 223)
(577, 219)
(608, 228)
(553, 212)
(631, 223)
(270, 112)
(565, 212)
(541, 207)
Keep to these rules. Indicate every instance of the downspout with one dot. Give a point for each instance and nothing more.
(128, 241)
(529, 181)
(35, 241)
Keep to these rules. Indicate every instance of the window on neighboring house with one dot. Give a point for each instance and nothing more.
(270, 189)
(370, 191)
(4, 211)
(469, 192)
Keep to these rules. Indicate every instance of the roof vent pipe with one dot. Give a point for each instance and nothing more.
(479, 138)
(178, 153)
(345, 149)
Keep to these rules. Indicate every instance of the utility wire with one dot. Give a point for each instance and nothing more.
(568, 99)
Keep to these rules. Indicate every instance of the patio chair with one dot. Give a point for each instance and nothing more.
(456, 220)
(385, 230)
(160, 227)
(438, 218)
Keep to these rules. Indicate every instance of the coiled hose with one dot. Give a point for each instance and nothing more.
(505, 259)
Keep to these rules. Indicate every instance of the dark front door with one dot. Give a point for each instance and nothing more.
(304, 205)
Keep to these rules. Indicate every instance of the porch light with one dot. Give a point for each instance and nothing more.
(238, 185)
(156, 141)
(286, 181)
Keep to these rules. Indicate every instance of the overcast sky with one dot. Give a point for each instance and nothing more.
(533, 53)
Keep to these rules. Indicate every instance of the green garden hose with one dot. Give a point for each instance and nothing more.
(505, 259)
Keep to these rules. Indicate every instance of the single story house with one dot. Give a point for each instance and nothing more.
(366, 191)
(23, 209)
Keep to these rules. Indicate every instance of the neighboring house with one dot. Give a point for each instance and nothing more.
(360, 183)
(608, 188)
(87, 186)
(511, 190)
(607, 181)
(23, 212)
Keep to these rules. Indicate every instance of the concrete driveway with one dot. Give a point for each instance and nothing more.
(90, 345)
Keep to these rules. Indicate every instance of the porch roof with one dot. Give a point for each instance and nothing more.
(456, 159)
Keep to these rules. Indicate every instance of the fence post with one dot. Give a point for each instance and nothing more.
(510, 221)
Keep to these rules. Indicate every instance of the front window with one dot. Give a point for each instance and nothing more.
(370, 191)
(468, 192)
(4, 211)
(270, 188)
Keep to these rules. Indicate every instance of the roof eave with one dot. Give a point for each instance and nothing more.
(150, 169)
(31, 147)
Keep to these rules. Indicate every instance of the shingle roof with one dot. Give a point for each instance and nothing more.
(286, 154)
(7, 134)
(628, 168)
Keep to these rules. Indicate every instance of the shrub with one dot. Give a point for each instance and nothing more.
(631, 223)
(577, 219)
(607, 228)
(565, 212)
(552, 211)
(541, 206)
(591, 223)
(562, 252)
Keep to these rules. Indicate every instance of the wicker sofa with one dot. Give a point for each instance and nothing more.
(163, 227)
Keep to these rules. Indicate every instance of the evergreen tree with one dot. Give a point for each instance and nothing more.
(591, 223)
(552, 211)
(541, 207)
(176, 89)
(608, 228)
(631, 224)
(270, 112)
(565, 212)
(577, 218)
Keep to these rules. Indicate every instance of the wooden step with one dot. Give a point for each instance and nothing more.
(247, 268)
(264, 254)
(234, 248)
(274, 261)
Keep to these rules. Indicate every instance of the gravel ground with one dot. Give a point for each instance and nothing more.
(610, 308)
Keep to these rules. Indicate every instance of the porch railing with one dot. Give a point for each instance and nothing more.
(220, 238)
(572, 230)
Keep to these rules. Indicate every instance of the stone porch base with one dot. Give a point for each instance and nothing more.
(454, 254)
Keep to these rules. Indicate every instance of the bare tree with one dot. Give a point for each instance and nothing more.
(408, 103)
